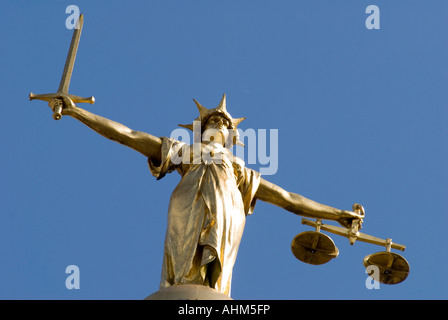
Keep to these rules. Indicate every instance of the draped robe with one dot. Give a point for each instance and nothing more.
(206, 214)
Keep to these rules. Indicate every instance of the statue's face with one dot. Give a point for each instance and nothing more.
(218, 129)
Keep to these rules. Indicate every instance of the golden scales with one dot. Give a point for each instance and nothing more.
(315, 247)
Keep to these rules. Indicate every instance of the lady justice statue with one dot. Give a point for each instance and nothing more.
(208, 208)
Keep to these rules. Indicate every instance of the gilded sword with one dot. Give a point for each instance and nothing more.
(66, 76)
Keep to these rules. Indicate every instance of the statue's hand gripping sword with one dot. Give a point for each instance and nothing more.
(66, 76)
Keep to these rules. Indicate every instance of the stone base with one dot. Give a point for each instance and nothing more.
(188, 292)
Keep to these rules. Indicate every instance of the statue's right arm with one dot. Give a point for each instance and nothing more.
(145, 143)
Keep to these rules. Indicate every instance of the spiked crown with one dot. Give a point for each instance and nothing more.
(205, 114)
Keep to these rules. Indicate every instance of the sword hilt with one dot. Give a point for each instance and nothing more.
(57, 111)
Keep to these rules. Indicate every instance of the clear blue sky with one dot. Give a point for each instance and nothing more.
(361, 117)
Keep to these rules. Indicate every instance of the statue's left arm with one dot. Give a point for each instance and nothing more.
(302, 206)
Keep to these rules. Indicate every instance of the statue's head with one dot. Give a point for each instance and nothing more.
(217, 124)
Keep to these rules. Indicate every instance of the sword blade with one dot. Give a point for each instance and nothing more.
(70, 61)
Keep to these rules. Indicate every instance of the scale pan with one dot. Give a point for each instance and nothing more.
(393, 268)
(313, 247)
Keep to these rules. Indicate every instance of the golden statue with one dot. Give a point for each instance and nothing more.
(208, 208)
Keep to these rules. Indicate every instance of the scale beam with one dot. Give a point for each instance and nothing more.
(358, 236)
